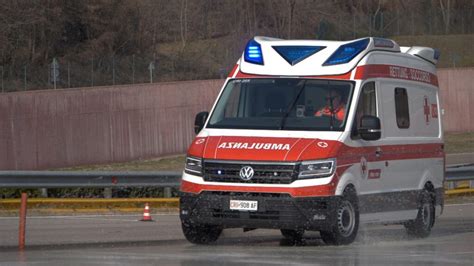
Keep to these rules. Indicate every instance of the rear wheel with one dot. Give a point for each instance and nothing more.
(200, 233)
(421, 226)
(344, 231)
(291, 234)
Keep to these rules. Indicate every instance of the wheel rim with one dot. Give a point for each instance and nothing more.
(346, 219)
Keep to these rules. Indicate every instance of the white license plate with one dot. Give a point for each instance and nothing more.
(243, 205)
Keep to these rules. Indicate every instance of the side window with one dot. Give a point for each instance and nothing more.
(367, 104)
(232, 106)
(401, 108)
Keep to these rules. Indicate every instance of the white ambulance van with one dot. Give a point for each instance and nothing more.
(320, 136)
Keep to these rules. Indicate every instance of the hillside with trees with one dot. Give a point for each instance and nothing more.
(105, 42)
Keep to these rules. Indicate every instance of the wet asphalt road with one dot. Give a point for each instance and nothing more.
(122, 240)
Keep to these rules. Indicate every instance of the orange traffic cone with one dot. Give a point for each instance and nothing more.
(146, 214)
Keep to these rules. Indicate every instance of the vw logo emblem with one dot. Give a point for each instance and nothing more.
(246, 173)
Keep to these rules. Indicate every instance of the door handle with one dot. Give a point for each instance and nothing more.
(378, 152)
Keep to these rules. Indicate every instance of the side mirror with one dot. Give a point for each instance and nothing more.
(199, 121)
(369, 128)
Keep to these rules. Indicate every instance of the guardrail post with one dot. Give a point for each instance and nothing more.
(22, 227)
(449, 185)
(108, 193)
(44, 192)
(167, 192)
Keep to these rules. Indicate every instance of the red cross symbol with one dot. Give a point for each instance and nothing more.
(426, 111)
(434, 110)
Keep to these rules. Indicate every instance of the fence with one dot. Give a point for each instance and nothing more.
(111, 70)
(457, 98)
(57, 128)
(54, 128)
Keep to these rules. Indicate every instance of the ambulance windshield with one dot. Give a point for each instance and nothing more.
(283, 104)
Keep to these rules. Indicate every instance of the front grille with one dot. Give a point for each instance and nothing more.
(274, 210)
(264, 173)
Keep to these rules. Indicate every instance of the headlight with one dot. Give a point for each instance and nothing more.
(193, 166)
(313, 169)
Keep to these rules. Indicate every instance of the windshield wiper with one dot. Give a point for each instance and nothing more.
(283, 120)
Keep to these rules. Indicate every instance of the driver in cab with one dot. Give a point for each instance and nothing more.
(334, 107)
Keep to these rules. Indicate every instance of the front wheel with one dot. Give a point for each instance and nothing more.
(200, 233)
(421, 226)
(344, 231)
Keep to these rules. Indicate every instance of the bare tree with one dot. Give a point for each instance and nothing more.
(291, 9)
(183, 19)
(445, 7)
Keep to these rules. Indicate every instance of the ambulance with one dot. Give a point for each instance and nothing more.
(311, 135)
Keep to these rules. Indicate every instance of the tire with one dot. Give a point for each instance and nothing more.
(421, 226)
(200, 233)
(294, 235)
(344, 231)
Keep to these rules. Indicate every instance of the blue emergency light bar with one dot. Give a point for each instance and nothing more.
(295, 54)
(347, 52)
(253, 53)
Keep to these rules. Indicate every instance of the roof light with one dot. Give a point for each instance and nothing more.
(295, 54)
(382, 42)
(253, 53)
(347, 52)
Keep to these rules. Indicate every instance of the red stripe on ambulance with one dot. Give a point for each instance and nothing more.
(232, 72)
(299, 149)
(396, 72)
(311, 191)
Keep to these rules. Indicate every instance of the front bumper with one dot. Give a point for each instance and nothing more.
(275, 210)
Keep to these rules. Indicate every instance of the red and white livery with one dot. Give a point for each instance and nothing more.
(318, 135)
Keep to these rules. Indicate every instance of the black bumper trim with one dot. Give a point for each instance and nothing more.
(275, 211)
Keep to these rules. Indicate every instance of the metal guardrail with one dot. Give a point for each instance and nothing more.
(460, 172)
(104, 179)
(87, 179)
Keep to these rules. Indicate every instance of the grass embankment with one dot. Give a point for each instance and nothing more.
(204, 58)
(455, 49)
(459, 142)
